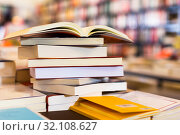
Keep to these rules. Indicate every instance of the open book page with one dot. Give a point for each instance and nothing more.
(67, 29)
(103, 29)
(155, 101)
(60, 26)
(57, 26)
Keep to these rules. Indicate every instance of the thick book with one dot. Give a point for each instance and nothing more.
(76, 72)
(82, 90)
(19, 95)
(22, 113)
(63, 41)
(104, 61)
(69, 29)
(44, 51)
(111, 108)
(68, 81)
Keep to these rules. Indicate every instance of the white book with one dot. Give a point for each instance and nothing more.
(68, 81)
(19, 95)
(63, 41)
(159, 102)
(60, 107)
(173, 114)
(46, 51)
(78, 62)
(64, 99)
(76, 72)
(82, 90)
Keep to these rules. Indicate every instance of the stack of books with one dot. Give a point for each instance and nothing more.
(73, 68)
(66, 59)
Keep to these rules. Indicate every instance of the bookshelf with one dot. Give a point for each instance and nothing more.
(134, 18)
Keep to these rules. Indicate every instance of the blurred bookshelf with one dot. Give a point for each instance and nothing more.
(148, 23)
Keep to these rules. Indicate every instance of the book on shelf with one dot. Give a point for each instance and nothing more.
(78, 62)
(67, 81)
(71, 29)
(111, 108)
(82, 89)
(63, 41)
(21, 96)
(44, 51)
(20, 113)
(76, 72)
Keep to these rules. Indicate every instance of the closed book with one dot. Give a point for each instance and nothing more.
(111, 108)
(19, 96)
(173, 114)
(44, 51)
(59, 107)
(56, 99)
(63, 102)
(159, 102)
(104, 61)
(82, 90)
(21, 113)
(67, 81)
(63, 41)
(76, 72)
(57, 102)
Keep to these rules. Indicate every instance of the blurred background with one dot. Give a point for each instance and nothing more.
(154, 25)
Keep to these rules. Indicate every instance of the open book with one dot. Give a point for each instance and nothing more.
(69, 29)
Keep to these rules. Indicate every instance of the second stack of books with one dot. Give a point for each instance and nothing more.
(71, 66)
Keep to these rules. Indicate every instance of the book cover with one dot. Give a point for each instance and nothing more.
(111, 108)
(19, 114)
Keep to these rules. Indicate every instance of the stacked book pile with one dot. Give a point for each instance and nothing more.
(71, 66)
(72, 61)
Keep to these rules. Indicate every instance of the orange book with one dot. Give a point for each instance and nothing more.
(111, 108)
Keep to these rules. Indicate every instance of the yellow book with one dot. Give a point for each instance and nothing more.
(111, 108)
(66, 29)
